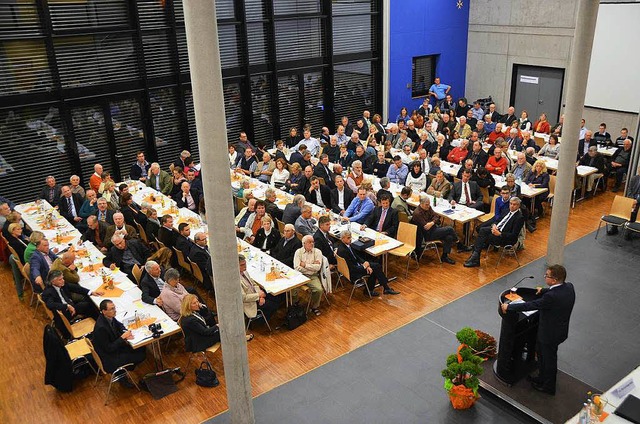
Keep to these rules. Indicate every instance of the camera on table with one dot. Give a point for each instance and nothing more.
(156, 330)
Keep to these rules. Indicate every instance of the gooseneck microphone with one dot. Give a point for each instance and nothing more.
(513, 289)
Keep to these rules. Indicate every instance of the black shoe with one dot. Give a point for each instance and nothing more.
(531, 228)
(543, 389)
(390, 291)
(462, 248)
(448, 260)
(473, 261)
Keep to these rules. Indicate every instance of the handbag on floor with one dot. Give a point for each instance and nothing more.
(296, 316)
(205, 376)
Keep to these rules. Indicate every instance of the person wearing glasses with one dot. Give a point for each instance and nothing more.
(555, 304)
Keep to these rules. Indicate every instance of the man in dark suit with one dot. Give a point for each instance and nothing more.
(69, 207)
(555, 305)
(322, 170)
(40, 263)
(585, 143)
(429, 228)
(287, 246)
(477, 155)
(292, 210)
(166, 235)
(119, 227)
(323, 241)
(466, 192)
(183, 242)
(104, 214)
(96, 233)
(151, 283)
(110, 341)
(126, 253)
(341, 196)
(384, 218)
(200, 255)
(270, 200)
(57, 297)
(318, 194)
(51, 191)
(358, 267)
(500, 234)
(140, 168)
(187, 197)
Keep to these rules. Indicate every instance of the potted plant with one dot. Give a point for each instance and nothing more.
(486, 346)
(463, 368)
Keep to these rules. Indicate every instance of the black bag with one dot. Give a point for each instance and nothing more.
(296, 316)
(363, 243)
(205, 376)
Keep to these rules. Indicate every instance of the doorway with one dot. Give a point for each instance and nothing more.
(537, 89)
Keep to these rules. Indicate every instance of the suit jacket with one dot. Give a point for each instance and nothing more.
(272, 239)
(184, 245)
(136, 171)
(53, 301)
(598, 162)
(149, 288)
(321, 171)
(511, 230)
(474, 192)
(353, 260)
(131, 234)
(290, 214)
(181, 203)
(273, 210)
(167, 237)
(479, 159)
(633, 189)
(555, 306)
(108, 216)
(19, 245)
(166, 182)
(202, 257)
(90, 235)
(108, 343)
(325, 194)
(592, 142)
(152, 230)
(250, 295)
(390, 224)
(284, 253)
(198, 336)
(44, 194)
(63, 207)
(348, 197)
(39, 266)
(138, 250)
(326, 246)
(70, 276)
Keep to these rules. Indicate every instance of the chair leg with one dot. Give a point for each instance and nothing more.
(598, 231)
(352, 290)
(501, 255)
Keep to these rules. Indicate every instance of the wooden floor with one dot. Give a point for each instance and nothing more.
(274, 358)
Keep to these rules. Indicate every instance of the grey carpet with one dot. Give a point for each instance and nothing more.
(396, 379)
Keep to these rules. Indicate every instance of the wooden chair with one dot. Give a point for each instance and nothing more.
(258, 316)
(486, 199)
(280, 226)
(510, 249)
(431, 245)
(26, 274)
(20, 265)
(137, 273)
(539, 141)
(406, 234)
(552, 190)
(78, 351)
(619, 214)
(78, 329)
(321, 180)
(181, 260)
(492, 212)
(47, 311)
(403, 217)
(210, 349)
(118, 374)
(142, 233)
(343, 271)
(240, 204)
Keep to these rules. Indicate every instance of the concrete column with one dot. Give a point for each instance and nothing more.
(576, 90)
(206, 80)
(386, 52)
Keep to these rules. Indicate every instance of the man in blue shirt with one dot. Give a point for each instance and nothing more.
(439, 91)
(398, 171)
(360, 208)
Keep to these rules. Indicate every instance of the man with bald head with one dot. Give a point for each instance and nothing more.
(66, 265)
(187, 197)
(96, 233)
(96, 178)
(69, 207)
(119, 227)
(308, 261)
(287, 246)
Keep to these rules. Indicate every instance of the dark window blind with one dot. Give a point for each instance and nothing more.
(166, 125)
(289, 104)
(23, 67)
(33, 147)
(91, 138)
(128, 133)
(313, 103)
(352, 7)
(261, 99)
(19, 19)
(423, 71)
(352, 34)
(152, 14)
(94, 15)
(233, 110)
(296, 7)
(298, 39)
(157, 54)
(354, 84)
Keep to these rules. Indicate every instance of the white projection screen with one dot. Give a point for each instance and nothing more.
(614, 72)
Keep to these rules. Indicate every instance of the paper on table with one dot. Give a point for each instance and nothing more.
(624, 389)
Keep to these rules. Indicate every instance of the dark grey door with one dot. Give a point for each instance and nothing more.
(537, 89)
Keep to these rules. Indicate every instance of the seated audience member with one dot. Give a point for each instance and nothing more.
(356, 176)
(264, 168)
(539, 178)
(245, 162)
(345, 158)
(96, 233)
(440, 186)
(90, 205)
(15, 217)
(468, 164)
(187, 197)
(17, 240)
(458, 154)
(624, 134)
(96, 180)
(66, 265)
(284, 250)
(152, 282)
(332, 150)
(159, 179)
(398, 171)
(195, 182)
(183, 242)
(253, 297)
(110, 341)
(503, 233)
(501, 208)
(5, 210)
(75, 187)
(360, 208)
(341, 196)
(111, 196)
(292, 210)
(132, 212)
(322, 171)
(308, 261)
(485, 180)
(270, 199)
(104, 214)
(620, 163)
(244, 213)
(172, 294)
(381, 166)
(524, 143)
(200, 255)
(51, 191)
(405, 154)
(495, 134)
(497, 164)
(295, 180)
(384, 218)
(69, 206)
(124, 254)
(166, 234)
(182, 160)
(416, 179)
(57, 297)
(267, 236)
(34, 238)
(153, 224)
(542, 125)
(119, 227)
(40, 262)
(385, 188)
(551, 149)
(318, 194)
(140, 168)
(280, 173)
(280, 152)
(358, 267)
(429, 229)
(254, 222)
(198, 334)
(477, 155)
(306, 224)
(323, 241)
(400, 202)
(514, 189)
(593, 159)
(179, 177)
(521, 167)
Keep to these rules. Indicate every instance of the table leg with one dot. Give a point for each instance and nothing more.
(157, 354)
(385, 266)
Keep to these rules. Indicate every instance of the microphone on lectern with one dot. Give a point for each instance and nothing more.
(514, 288)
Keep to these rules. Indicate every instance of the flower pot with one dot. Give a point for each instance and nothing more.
(462, 397)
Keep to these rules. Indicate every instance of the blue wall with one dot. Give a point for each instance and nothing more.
(425, 27)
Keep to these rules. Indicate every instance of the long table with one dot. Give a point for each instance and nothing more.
(126, 295)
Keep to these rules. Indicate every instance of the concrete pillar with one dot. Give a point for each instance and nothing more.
(576, 90)
(206, 80)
